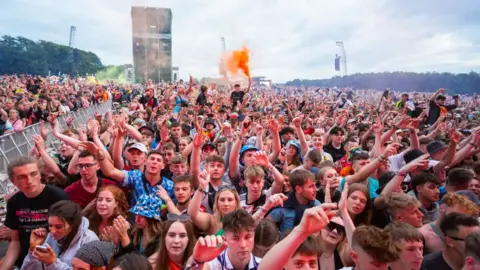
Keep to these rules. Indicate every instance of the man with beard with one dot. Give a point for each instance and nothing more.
(233, 251)
(142, 183)
(182, 188)
(451, 203)
(301, 198)
(456, 227)
(426, 189)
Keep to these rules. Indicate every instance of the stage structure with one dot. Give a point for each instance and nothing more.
(152, 44)
(341, 60)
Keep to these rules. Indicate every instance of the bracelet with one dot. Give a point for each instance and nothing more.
(202, 191)
(402, 174)
(382, 158)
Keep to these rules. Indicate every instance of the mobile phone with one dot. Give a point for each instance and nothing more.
(42, 249)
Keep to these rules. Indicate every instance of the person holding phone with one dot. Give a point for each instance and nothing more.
(68, 232)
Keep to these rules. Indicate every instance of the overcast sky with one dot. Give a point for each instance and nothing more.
(288, 39)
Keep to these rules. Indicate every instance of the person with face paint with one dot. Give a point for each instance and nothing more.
(68, 231)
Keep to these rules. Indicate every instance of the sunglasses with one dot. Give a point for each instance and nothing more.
(335, 226)
(228, 187)
(175, 217)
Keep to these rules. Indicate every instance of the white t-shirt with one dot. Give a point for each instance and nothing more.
(222, 262)
(250, 208)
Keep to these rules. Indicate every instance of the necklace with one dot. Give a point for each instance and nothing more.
(325, 256)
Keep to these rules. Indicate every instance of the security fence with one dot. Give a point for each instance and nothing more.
(14, 145)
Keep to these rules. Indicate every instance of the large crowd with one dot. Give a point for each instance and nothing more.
(187, 175)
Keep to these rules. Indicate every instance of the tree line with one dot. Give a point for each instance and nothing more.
(461, 83)
(22, 55)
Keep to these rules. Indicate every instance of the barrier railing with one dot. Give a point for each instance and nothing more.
(19, 144)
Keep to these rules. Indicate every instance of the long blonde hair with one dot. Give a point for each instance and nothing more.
(217, 217)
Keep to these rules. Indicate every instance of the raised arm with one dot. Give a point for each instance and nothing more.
(202, 221)
(49, 162)
(273, 126)
(394, 184)
(313, 221)
(297, 122)
(117, 149)
(368, 169)
(450, 153)
(262, 160)
(234, 161)
(195, 158)
(105, 165)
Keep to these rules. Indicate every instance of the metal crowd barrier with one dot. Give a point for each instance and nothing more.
(19, 144)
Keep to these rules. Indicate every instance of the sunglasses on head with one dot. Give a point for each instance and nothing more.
(335, 226)
(228, 187)
(175, 217)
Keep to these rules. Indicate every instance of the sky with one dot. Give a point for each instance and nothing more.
(287, 39)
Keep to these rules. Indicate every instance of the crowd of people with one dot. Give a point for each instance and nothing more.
(203, 176)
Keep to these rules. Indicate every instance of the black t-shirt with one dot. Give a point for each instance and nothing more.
(237, 96)
(434, 111)
(334, 152)
(26, 214)
(435, 261)
(335, 197)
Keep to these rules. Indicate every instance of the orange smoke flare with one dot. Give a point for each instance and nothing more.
(237, 61)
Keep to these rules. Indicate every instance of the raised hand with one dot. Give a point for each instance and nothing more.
(43, 131)
(391, 149)
(258, 130)
(273, 126)
(37, 237)
(297, 122)
(274, 201)
(121, 226)
(162, 193)
(39, 143)
(420, 162)
(198, 140)
(316, 218)
(204, 179)
(454, 136)
(90, 147)
(261, 159)
(208, 248)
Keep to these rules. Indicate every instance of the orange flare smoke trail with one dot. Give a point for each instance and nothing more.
(237, 61)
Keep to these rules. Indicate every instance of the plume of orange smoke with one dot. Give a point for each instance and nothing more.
(237, 62)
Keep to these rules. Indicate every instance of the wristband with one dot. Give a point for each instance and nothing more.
(382, 158)
(402, 174)
(202, 191)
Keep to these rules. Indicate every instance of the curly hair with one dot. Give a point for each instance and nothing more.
(453, 199)
(121, 209)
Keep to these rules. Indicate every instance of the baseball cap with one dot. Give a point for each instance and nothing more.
(435, 146)
(208, 144)
(139, 146)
